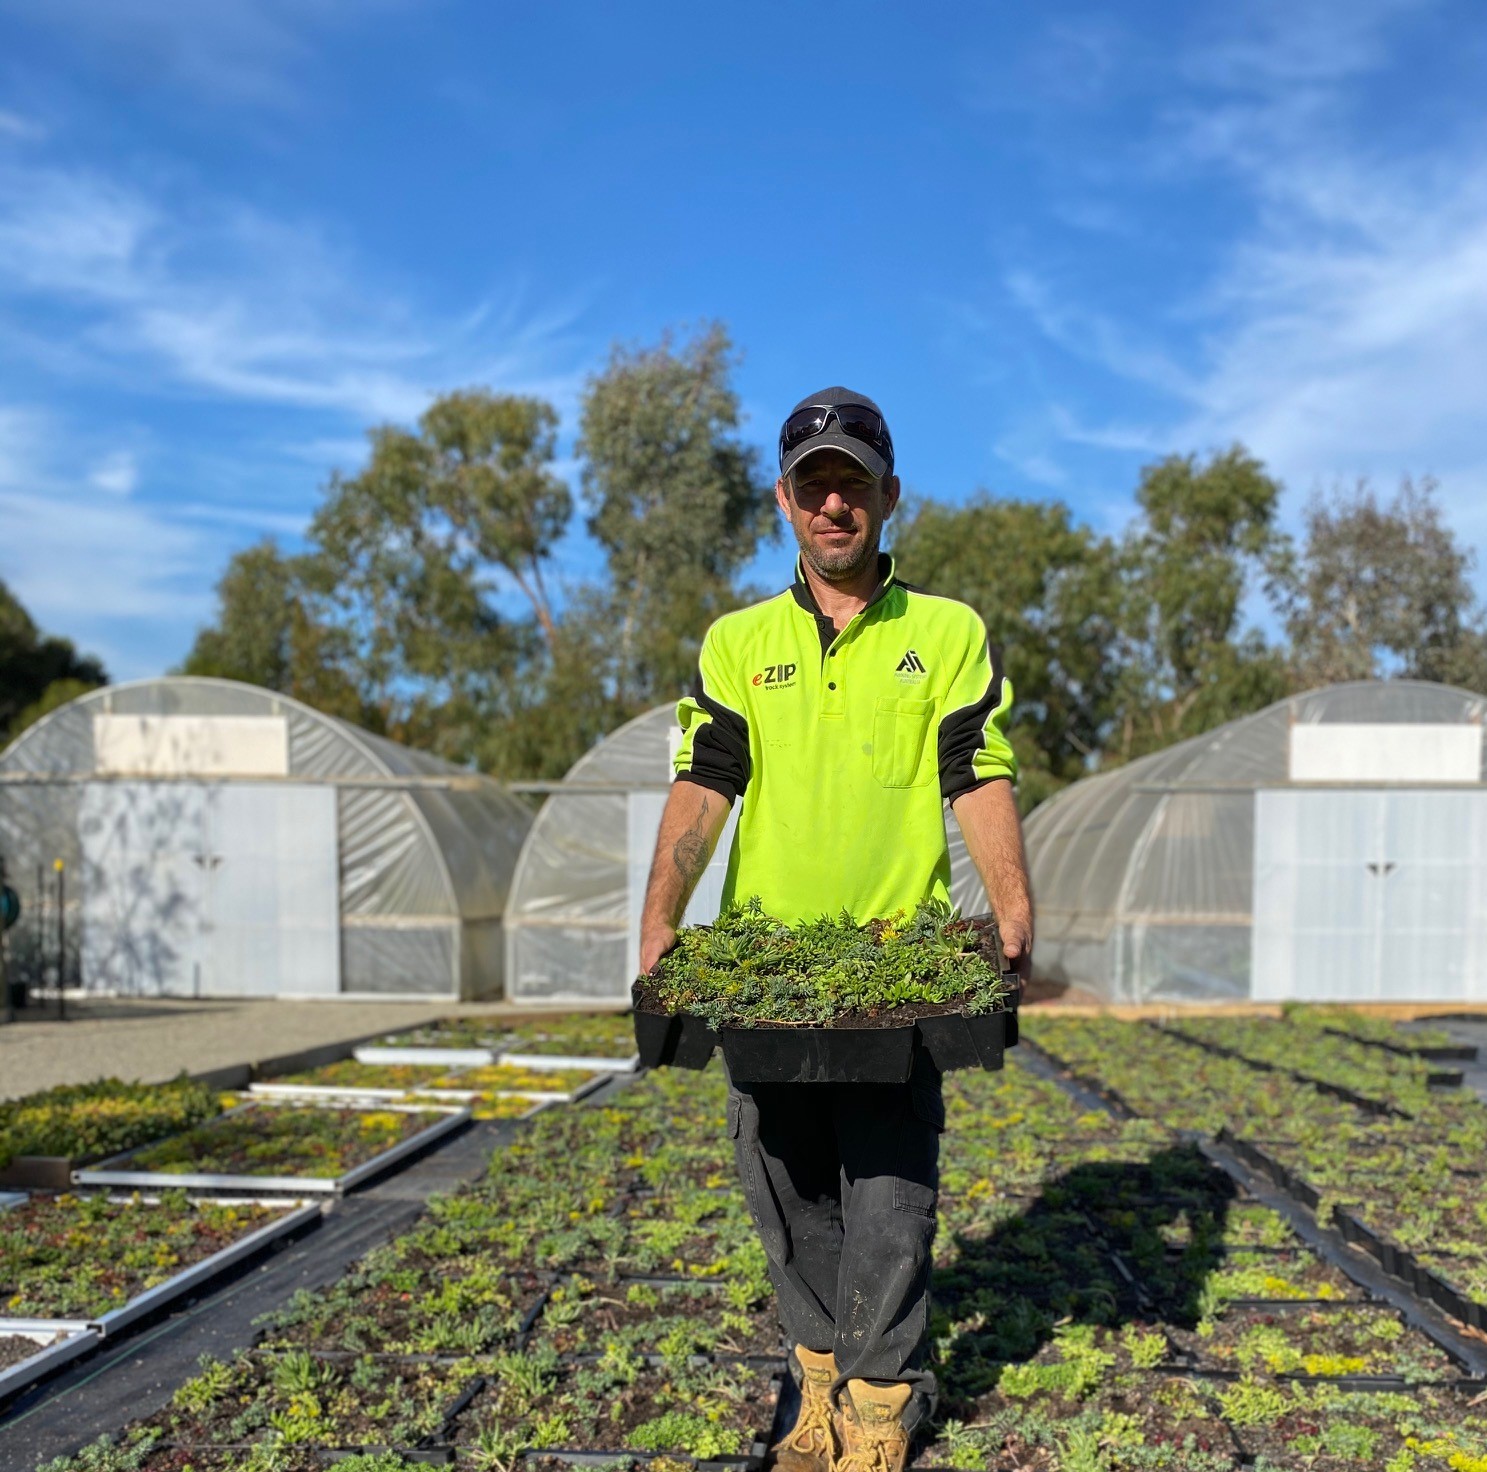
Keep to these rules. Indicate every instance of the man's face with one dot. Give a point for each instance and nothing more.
(837, 511)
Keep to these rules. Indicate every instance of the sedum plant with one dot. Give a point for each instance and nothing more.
(750, 969)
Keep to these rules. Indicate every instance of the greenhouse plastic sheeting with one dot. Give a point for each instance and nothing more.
(430, 866)
(1143, 877)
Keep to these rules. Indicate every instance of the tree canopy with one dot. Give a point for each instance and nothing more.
(428, 601)
(37, 672)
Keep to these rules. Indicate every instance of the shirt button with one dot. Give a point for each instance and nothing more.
(831, 684)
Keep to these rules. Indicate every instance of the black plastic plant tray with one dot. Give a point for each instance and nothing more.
(673, 1040)
(1401, 1263)
(863, 1055)
(1440, 1053)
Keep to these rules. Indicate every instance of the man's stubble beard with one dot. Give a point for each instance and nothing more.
(843, 566)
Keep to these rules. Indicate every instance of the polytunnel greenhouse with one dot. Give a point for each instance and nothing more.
(210, 838)
(1330, 847)
(573, 920)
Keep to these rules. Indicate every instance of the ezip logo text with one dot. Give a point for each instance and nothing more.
(776, 674)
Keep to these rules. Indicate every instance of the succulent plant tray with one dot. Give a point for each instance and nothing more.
(828, 1001)
(402, 1300)
(281, 1147)
(88, 1261)
(676, 1320)
(347, 1076)
(618, 1405)
(497, 1080)
(45, 1136)
(587, 1063)
(27, 1355)
(300, 1400)
(604, 1034)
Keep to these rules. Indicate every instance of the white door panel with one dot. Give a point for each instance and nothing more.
(1370, 895)
(195, 890)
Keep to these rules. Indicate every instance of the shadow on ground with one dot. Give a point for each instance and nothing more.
(1107, 1243)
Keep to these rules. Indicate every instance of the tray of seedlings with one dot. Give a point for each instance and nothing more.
(617, 1410)
(829, 1001)
(1418, 1040)
(45, 1136)
(260, 1409)
(279, 1145)
(598, 1043)
(1391, 1187)
(75, 1262)
(349, 1079)
(1359, 1073)
(511, 1081)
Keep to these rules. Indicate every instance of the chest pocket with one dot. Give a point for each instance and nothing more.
(901, 742)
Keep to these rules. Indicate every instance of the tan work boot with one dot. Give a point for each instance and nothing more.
(873, 1434)
(811, 1445)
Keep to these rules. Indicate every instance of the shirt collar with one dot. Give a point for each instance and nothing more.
(887, 575)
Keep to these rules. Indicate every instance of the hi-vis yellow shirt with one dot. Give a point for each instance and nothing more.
(844, 746)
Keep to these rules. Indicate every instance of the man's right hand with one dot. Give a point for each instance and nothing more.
(655, 942)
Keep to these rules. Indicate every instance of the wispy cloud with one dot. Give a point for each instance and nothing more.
(218, 298)
(15, 125)
(225, 52)
(1344, 328)
(85, 560)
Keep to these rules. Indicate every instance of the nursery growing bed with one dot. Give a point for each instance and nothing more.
(409, 1303)
(721, 1414)
(671, 1318)
(90, 1266)
(497, 1079)
(246, 1136)
(283, 1400)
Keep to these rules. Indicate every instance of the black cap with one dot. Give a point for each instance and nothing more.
(833, 437)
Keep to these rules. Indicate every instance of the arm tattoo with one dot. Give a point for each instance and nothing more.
(689, 852)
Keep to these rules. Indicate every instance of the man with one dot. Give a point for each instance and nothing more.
(844, 712)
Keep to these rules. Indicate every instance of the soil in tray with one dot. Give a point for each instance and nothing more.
(298, 1399)
(617, 1404)
(674, 1319)
(17, 1347)
(1327, 1430)
(80, 1256)
(283, 1140)
(1355, 1340)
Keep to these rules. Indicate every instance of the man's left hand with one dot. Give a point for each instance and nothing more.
(1017, 946)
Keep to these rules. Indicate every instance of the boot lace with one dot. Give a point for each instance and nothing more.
(870, 1458)
(812, 1434)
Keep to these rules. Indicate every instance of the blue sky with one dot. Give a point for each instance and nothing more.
(1054, 242)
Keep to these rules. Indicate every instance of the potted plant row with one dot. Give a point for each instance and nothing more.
(829, 1000)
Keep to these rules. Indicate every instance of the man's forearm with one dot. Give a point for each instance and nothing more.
(993, 833)
(690, 824)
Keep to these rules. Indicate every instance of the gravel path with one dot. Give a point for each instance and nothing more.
(155, 1039)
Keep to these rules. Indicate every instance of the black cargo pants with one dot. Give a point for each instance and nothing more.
(842, 1181)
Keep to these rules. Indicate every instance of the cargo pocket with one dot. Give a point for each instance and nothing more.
(928, 1104)
(900, 735)
(915, 1198)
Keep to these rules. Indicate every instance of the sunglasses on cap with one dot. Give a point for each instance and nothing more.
(856, 420)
